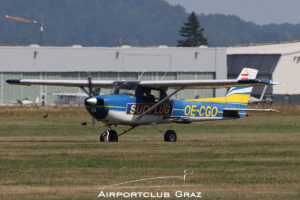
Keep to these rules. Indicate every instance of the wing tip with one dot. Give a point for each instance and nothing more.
(262, 81)
(270, 82)
(13, 81)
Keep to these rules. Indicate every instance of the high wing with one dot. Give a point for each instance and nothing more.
(184, 84)
(66, 83)
(199, 84)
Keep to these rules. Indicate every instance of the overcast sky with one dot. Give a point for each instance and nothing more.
(258, 11)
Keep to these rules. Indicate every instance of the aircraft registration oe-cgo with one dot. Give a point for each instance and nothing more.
(132, 103)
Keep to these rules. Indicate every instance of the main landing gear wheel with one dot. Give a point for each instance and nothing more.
(170, 136)
(109, 136)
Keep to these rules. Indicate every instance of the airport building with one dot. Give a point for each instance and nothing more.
(279, 62)
(106, 63)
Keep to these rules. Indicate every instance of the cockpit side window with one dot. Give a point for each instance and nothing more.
(148, 96)
(154, 95)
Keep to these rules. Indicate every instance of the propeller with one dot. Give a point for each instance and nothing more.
(90, 85)
(91, 100)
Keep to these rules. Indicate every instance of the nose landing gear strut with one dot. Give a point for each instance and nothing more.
(110, 135)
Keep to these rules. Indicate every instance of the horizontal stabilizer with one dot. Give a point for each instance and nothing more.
(249, 109)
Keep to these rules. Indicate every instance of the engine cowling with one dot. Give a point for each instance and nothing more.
(96, 107)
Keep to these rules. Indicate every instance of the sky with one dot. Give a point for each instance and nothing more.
(258, 11)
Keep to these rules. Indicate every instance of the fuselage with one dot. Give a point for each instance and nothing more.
(125, 109)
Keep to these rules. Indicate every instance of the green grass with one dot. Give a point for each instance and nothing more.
(57, 158)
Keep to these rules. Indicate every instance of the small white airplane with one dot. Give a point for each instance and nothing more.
(268, 99)
(131, 102)
(70, 98)
(25, 101)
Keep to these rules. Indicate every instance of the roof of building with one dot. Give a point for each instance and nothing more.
(270, 48)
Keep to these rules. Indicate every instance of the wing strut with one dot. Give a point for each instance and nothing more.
(85, 91)
(159, 103)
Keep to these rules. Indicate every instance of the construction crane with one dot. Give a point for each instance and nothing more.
(29, 21)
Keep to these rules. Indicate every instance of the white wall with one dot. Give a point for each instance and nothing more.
(287, 73)
(67, 59)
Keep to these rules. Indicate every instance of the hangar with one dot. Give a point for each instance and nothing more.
(108, 63)
(279, 62)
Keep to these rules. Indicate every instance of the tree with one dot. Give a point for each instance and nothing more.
(193, 33)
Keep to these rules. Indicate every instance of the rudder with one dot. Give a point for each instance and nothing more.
(242, 94)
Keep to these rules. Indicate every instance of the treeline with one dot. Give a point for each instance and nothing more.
(132, 22)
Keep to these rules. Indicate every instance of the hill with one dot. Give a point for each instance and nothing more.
(135, 22)
(229, 30)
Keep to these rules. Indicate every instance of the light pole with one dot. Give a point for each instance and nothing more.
(30, 21)
(41, 30)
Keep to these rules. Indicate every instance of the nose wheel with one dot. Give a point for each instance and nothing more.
(109, 136)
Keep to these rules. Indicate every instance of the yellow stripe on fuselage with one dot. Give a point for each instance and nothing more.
(179, 109)
(235, 98)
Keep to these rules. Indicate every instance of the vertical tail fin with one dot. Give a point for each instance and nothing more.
(242, 94)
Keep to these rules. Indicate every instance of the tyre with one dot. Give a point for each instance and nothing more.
(112, 137)
(170, 136)
(102, 136)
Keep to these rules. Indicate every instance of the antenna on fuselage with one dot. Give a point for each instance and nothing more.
(141, 75)
(164, 76)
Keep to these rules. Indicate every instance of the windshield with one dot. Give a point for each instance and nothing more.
(123, 91)
(131, 88)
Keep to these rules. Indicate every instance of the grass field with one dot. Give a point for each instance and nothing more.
(57, 158)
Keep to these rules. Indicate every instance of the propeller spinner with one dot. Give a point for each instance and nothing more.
(91, 101)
